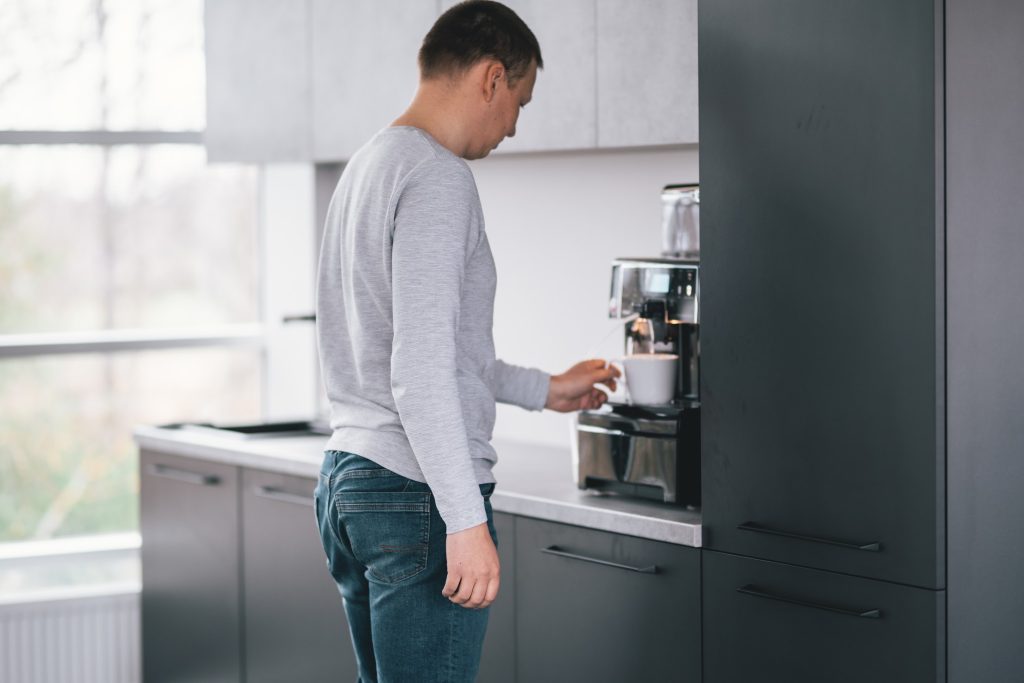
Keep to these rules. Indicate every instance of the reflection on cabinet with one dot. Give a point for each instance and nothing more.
(295, 627)
(646, 72)
(364, 68)
(595, 606)
(769, 621)
(498, 662)
(191, 609)
(257, 81)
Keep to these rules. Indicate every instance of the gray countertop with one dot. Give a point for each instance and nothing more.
(533, 481)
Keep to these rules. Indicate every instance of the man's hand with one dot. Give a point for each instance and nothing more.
(473, 568)
(574, 389)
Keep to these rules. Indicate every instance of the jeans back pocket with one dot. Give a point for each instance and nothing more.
(389, 532)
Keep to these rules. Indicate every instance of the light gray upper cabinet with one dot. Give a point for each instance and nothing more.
(257, 81)
(563, 113)
(646, 72)
(314, 81)
(364, 68)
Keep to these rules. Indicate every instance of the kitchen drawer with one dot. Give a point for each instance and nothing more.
(775, 622)
(191, 628)
(593, 606)
(498, 660)
(295, 626)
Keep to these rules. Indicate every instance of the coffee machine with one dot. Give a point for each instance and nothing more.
(649, 451)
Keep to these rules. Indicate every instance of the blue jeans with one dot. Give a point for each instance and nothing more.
(385, 545)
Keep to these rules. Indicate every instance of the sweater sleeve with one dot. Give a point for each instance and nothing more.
(435, 232)
(523, 387)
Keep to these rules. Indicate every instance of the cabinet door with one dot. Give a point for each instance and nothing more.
(594, 606)
(364, 68)
(563, 113)
(821, 286)
(295, 627)
(765, 621)
(257, 81)
(498, 663)
(646, 72)
(190, 574)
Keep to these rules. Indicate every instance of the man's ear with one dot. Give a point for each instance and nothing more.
(493, 75)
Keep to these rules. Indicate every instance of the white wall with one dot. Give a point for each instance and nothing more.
(555, 222)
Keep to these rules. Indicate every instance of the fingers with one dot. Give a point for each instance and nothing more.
(474, 594)
(451, 584)
(465, 592)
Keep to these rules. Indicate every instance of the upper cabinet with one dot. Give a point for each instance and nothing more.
(258, 97)
(314, 81)
(364, 68)
(563, 112)
(646, 72)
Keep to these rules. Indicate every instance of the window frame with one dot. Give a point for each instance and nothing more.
(284, 198)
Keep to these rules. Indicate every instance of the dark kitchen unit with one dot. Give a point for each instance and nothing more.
(861, 382)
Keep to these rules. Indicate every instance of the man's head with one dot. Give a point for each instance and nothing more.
(482, 60)
(475, 30)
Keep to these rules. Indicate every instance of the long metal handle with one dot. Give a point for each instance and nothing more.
(619, 432)
(555, 550)
(758, 593)
(179, 474)
(872, 547)
(283, 496)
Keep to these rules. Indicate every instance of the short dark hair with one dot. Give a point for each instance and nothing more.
(475, 30)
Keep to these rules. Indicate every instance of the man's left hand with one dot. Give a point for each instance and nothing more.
(574, 389)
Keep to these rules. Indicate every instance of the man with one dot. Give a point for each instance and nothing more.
(404, 315)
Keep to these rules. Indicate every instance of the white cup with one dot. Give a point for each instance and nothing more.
(651, 377)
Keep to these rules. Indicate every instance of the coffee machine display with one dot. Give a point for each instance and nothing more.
(649, 445)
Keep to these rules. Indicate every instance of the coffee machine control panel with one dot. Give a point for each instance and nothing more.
(636, 282)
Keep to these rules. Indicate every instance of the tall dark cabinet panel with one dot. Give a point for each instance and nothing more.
(823, 270)
(985, 200)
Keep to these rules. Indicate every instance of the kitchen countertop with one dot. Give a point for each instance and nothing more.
(533, 481)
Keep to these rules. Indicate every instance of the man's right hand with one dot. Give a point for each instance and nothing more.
(473, 568)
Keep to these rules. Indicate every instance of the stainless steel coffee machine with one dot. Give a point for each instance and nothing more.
(650, 451)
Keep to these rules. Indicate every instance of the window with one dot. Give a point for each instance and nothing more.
(130, 283)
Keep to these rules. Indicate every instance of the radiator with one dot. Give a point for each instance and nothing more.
(72, 638)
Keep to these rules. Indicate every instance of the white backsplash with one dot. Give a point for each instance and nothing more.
(555, 222)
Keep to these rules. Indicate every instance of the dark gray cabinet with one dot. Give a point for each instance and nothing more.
(191, 609)
(295, 627)
(234, 584)
(861, 382)
(498, 661)
(774, 622)
(595, 606)
(822, 367)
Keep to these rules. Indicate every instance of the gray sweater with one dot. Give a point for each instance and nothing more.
(405, 305)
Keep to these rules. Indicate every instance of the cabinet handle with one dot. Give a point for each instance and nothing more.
(283, 496)
(555, 550)
(758, 593)
(872, 547)
(178, 474)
